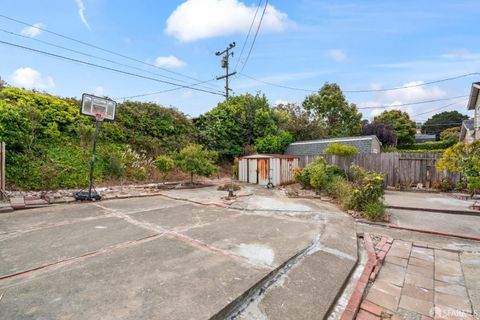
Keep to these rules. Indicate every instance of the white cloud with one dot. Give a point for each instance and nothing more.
(30, 78)
(413, 94)
(199, 19)
(375, 86)
(461, 53)
(337, 54)
(187, 94)
(81, 13)
(408, 95)
(169, 62)
(99, 91)
(33, 31)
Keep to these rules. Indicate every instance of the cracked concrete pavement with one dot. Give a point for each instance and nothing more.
(156, 257)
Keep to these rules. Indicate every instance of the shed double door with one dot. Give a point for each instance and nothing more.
(252, 170)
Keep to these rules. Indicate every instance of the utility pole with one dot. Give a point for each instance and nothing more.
(225, 64)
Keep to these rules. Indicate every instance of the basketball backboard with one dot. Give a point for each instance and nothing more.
(97, 107)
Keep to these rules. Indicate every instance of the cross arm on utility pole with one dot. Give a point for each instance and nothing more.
(227, 75)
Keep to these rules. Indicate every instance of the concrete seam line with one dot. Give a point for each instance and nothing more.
(184, 238)
(68, 261)
(48, 226)
(445, 234)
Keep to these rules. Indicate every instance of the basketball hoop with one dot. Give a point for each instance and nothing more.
(101, 109)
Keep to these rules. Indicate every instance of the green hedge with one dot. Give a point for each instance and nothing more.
(421, 150)
(437, 145)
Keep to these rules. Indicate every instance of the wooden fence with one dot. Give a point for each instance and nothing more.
(399, 168)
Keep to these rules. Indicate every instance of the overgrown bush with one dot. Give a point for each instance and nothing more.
(363, 191)
(367, 187)
(442, 185)
(319, 174)
(465, 159)
(340, 189)
(164, 164)
(374, 210)
(340, 149)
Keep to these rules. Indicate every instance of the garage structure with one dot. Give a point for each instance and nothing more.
(263, 169)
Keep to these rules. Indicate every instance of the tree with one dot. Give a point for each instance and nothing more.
(299, 122)
(441, 121)
(164, 164)
(463, 158)
(340, 149)
(234, 125)
(450, 134)
(274, 143)
(383, 130)
(195, 160)
(403, 128)
(331, 109)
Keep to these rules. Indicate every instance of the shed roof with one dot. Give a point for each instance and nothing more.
(342, 139)
(268, 156)
(472, 100)
(425, 136)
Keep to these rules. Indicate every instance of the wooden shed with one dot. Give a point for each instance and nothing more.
(263, 169)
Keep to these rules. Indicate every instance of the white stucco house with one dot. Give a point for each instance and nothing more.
(470, 130)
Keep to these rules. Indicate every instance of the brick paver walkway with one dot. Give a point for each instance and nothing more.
(418, 282)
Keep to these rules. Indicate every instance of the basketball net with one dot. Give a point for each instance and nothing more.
(99, 117)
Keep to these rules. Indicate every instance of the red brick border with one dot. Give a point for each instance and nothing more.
(376, 255)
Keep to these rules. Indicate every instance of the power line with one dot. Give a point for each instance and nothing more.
(105, 67)
(147, 94)
(436, 109)
(99, 48)
(412, 103)
(416, 85)
(101, 58)
(255, 37)
(366, 90)
(248, 35)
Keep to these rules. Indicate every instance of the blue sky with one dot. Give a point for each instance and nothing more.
(303, 43)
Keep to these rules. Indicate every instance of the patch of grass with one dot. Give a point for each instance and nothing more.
(374, 210)
(341, 190)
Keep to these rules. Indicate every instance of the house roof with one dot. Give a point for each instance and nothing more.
(472, 100)
(425, 136)
(342, 139)
(268, 156)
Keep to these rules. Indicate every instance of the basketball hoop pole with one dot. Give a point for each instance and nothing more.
(98, 121)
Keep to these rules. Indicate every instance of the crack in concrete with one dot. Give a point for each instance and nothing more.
(257, 292)
(184, 238)
(18, 233)
(68, 261)
(248, 306)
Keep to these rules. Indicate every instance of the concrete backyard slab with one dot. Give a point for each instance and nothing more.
(428, 201)
(20, 221)
(436, 221)
(159, 258)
